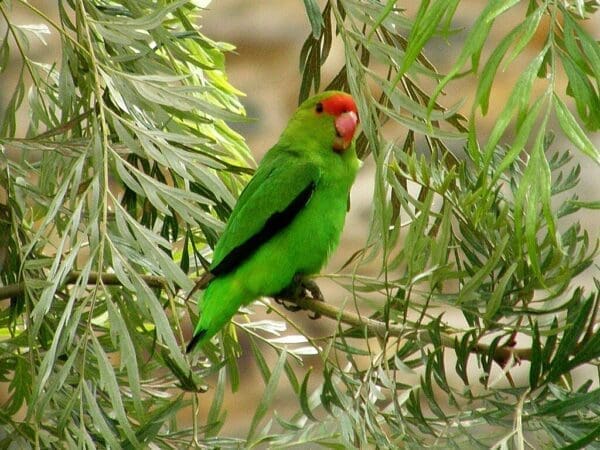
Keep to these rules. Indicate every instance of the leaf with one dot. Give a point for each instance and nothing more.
(577, 319)
(468, 290)
(231, 353)
(473, 43)
(524, 130)
(109, 382)
(304, 404)
(420, 126)
(424, 26)
(268, 396)
(584, 441)
(4, 53)
(488, 73)
(495, 301)
(40, 398)
(536, 180)
(573, 131)
(536, 357)
(157, 419)
(97, 417)
(215, 418)
(560, 408)
(586, 205)
(314, 16)
(39, 30)
(260, 361)
(529, 28)
(150, 20)
(517, 100)
(120, 335)
(583, 92)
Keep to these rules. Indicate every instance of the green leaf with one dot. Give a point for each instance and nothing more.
(4, 53)
(99, 421)
(473, 43)
(495, 301)
(304, 403)
(468, 290)
(577, 317)
(108, 381)
(156, 420)
(584, 441)
(562, 407)
(488, 73)
(120, 336)
(314, 16)
(268, 396)
(536, 357)
(517, 100)
(420, 126)
(424, 26)
(573, 131)
(524, 130)
(529, 28)
(583, 92)
(215, 418)
(586, 205)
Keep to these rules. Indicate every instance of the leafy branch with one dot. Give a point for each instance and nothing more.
(372, 326)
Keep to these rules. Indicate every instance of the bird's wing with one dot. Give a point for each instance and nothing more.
(280, 188)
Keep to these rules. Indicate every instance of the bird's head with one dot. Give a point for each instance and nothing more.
(330, 119)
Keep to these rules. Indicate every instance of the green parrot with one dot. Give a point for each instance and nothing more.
(289, 217)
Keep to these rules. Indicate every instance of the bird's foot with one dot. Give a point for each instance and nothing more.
(312, 288)
(299, 288)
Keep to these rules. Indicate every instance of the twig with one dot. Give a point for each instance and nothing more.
(63, 127)
(109, 279)
(11, 290)
(502, 355)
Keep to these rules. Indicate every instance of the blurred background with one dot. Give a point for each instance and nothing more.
(268, 37)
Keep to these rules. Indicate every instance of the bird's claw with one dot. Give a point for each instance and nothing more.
(312, 288)
(300, 287)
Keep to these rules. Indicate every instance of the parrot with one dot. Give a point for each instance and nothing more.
(289, 217)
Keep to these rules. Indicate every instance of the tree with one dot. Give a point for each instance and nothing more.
(128, 168)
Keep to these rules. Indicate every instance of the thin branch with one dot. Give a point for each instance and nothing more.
(109, 279)
(11, 290)
(502, 355)
(63, 127)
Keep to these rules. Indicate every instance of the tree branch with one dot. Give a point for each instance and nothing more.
(502, 354)
(109, 279)
(11, 290)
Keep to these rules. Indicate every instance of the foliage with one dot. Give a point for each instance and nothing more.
(126, 157)
(128, 168)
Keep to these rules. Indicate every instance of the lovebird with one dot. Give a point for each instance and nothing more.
(288, 219)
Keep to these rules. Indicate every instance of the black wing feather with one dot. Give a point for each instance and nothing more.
(273, 225)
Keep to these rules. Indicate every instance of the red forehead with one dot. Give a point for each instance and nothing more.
(338, 104)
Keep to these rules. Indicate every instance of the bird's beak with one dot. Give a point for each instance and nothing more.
(345, 127)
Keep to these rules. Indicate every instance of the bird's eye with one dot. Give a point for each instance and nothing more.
(319, 107)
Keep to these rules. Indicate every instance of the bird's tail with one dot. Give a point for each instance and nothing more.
(197, 337)
(221, 300)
